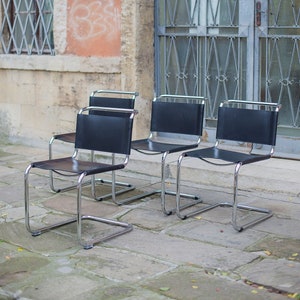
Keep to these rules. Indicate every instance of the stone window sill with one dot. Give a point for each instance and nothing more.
(60, 63)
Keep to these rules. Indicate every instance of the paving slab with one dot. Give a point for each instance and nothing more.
(50, 243)
(183, 251)
(10, 198)
(150, 219)
(121, 266)
(59, 287)
(163, 257)
(280, 274)
(281, 226)
(217, 234)
(192, 283)
(277, 246)
(20, 268)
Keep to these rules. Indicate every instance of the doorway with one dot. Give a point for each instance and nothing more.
(232, 49)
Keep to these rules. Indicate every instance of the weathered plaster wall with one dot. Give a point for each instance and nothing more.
(137, 60)
(40, 95)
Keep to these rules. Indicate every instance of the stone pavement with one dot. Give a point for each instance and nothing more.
(163, 257)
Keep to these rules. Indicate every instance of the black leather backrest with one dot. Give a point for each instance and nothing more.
(173, 117)
(110, 102)
(104, 133)
(247, 125)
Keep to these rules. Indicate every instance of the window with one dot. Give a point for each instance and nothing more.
(27, 27)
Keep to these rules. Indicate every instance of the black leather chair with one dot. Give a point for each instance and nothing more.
(238, 121)
(173, 117)
(109, 132)
(103, 98)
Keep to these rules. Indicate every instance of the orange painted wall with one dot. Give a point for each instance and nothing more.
(93, 28)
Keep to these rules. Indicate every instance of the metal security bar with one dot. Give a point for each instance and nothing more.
(200, 50)
(231, 49)
(27, 27)
(279, 36)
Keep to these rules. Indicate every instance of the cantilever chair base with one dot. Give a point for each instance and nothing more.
(35, 232)
(126, 228)
(265, 213)
(105, 133)
(127, 188)
(248, 125)
(182, 116)
(143, 146)
(163, 199)
(229, 157)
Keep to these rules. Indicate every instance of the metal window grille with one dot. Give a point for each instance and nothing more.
(217, 49)
(27, 27)
(200, 50)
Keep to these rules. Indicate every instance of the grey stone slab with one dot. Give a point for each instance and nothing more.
(6, 250)
(47, 243)
(20, 268)
(5, 171)
(278, 247)
(152, 219)
(3, 205)
(9, 251)
(182, 251)
(123, 292)
(42, 277)
(194, 284)
(281, 226)
(139, 294)
(220, 215)
(4, 155)
(68, 204)
(163, 257)
(18, 213)
(7, 295)
(60, 287)
(281, 274)
(214, 233)
(11, 214)
(121, 265)
(285, 209)
(13, 194)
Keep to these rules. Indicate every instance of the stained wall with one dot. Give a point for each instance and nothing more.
(100, 44)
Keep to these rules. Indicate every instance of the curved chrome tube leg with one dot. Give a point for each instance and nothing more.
(235, 200)
(178, 188)
(163, 185)
(36, 232)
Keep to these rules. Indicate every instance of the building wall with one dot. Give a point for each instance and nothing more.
(100, 44)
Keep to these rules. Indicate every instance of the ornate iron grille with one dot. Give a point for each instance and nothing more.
(231, 49)
(200, 50)
(27, 27)
(280, 59)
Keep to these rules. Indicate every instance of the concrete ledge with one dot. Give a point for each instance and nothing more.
(60, 63)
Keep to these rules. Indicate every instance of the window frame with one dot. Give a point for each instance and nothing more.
(27, 27)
